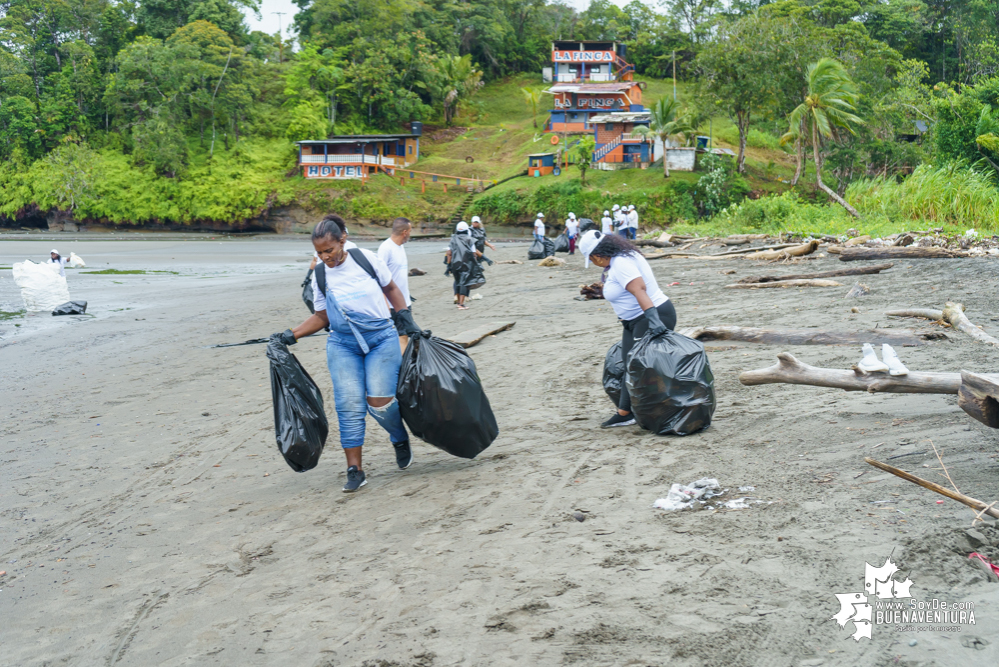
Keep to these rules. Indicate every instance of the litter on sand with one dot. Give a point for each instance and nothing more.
(42, 288)
(71, 308)
(682, 496)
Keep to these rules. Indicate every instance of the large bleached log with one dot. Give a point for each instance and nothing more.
(786, 283)
(860, 270)
(925, 313)
(953, 314)
(787, 253)
(942, 490)
(894, 252)
(789, 370)
(743, 251)
(901, 337)
(979, 397)
(653, 243)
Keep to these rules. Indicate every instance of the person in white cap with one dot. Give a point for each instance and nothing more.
(631, 223)
(607, 223)
(59, 261)
(539, 227)
(479, 234)
(461, 248)
(571, 231)
(631, 289)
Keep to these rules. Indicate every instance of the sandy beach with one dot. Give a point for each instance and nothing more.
(148, 518)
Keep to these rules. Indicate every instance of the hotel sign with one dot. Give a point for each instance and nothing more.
(582, 56)
(334, 171)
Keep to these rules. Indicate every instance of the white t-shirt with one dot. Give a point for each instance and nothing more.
(632, 220)
(624, 269)
(61, 263)
(394, 256)
(539, 227)
(572, 226)
(618, 219)
(606, 225)
(354, 289)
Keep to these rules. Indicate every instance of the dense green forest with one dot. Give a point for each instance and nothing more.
(172, 112)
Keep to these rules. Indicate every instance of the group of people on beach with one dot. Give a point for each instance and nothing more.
(622, 220)
(363, 299)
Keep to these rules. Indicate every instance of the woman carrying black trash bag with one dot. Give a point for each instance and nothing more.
(631, 288)
(363, 347)
(461, 262)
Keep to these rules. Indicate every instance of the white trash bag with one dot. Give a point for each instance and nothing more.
(76, 262)
(42, 288)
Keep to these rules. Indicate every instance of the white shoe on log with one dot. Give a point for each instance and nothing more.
(870, 363)
(895, 365)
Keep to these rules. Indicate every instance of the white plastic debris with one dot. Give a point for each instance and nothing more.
(971, 234)
(747, 489)
(681, 496)
(76, 262)
(738, 503)
(42, 288)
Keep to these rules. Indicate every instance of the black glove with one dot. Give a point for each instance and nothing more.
(286, 337)
(656, 326)
(405, 323)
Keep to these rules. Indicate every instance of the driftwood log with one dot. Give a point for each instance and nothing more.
(901, 337)
(895, 252)
(860, 270)
(653, 243)
(977, 396)
(952, 314)
(942, 490)
(800, 282)
(789, 370)
(787, 253)
(474, 336)
(744, 251)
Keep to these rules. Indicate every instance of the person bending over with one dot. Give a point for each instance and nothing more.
(633, 292)
(362, 351)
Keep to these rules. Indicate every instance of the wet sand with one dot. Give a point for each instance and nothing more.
(148, 518)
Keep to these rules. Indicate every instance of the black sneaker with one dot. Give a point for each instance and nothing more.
(618, 420)
(355, 480)
(403, 454)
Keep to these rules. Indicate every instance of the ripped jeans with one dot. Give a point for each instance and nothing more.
(357, 375)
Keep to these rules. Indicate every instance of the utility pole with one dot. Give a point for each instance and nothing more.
(281, 37)
(674, 75)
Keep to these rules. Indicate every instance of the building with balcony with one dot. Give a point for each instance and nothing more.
(358, 155)
(590, 78)
(618, 144)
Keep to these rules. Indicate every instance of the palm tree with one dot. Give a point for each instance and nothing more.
(458, 80)
(582, 153)
(532, 96)
(666, 123)
(828, 105)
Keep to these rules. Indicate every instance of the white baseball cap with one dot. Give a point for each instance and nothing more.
(631, 208)
(53, 251)
(541, 215)
(606, 212)
(588, 242)
(615, 207)
(476, 218)
(572, 216)
(462, 227)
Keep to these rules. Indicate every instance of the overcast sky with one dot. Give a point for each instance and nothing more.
(269, 21)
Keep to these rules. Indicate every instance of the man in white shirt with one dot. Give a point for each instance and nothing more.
(618, 219)
(606, 223)
(59, 261)
(571, 230)
(631, 223)
(539, 227)
(394, 255)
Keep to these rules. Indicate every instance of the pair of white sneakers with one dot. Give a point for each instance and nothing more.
(890, 364)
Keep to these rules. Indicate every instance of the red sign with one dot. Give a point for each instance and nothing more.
(582, 56)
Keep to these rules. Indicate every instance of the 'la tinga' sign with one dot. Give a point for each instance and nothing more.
(334, 171)
(587, 102)
(582, 56)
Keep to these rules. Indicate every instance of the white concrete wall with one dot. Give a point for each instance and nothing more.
(681, 159)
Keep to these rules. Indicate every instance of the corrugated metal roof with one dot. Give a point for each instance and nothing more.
(622, 117)
(358, 138)
(597, 88)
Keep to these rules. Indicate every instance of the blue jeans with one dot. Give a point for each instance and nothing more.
(357, 375)
(627, 232)
(538, 237)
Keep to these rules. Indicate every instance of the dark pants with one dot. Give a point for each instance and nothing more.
(634, 330)
(461, 291)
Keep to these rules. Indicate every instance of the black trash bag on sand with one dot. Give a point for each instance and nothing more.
(614, 372)
(299, 416)
(541, 249)
(307, 293)
(71, 308)
(561, 243)
(466, 268)
(441, 398)
(671, 385)
(585, 225)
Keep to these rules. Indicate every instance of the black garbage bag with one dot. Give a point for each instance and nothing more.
(537, 250)
(299, 416)
(71, 308)
(671, 385)
(614, 372)
(480, 238)
(549, 247)
(441, 398)
(585, 225)
(466, 269)
(307, 293)
(561, 243)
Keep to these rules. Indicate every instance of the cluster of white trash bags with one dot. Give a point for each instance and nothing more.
(42, 288)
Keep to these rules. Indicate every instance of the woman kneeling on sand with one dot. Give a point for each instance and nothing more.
(632, 291)
(363, 348)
